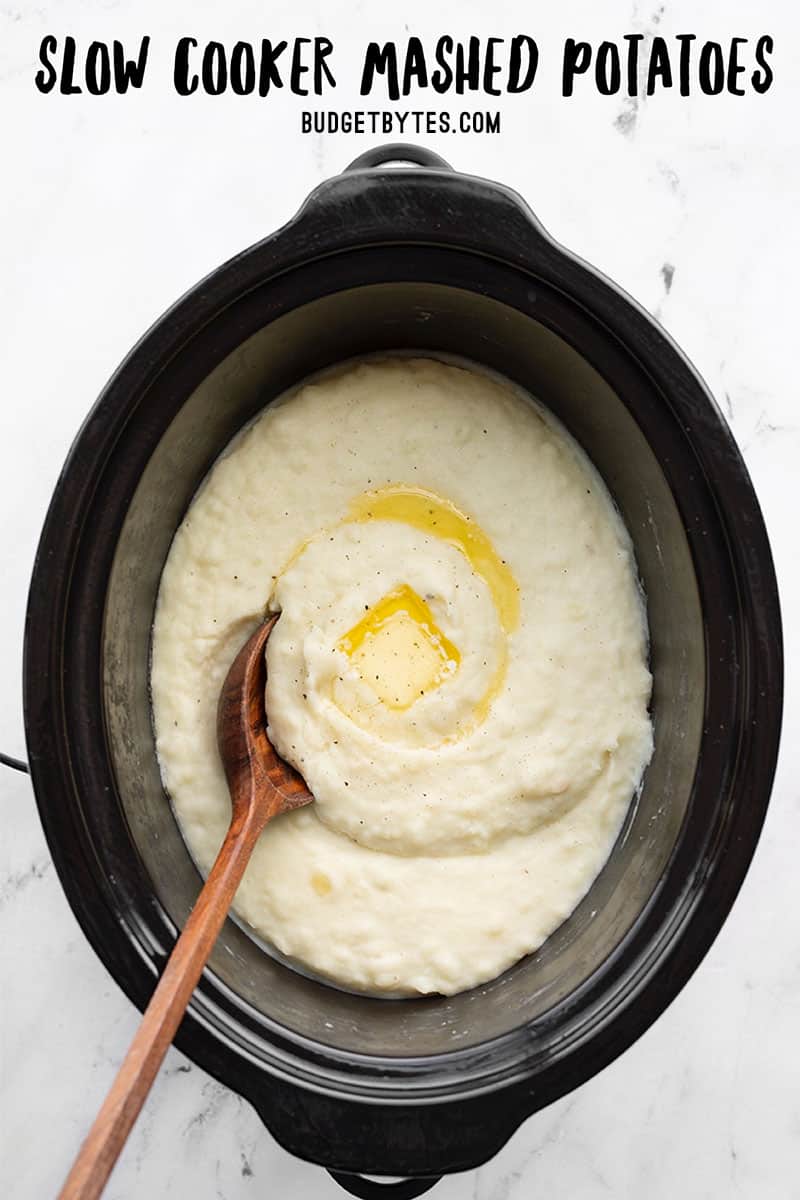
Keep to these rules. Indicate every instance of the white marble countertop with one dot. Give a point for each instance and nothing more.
(109, 209)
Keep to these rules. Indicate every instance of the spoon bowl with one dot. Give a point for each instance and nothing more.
(257, 777)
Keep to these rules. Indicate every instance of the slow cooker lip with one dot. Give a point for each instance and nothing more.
(277, 256)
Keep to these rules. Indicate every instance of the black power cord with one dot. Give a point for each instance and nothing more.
(16, 764)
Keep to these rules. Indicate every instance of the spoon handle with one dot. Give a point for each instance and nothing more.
(163, 1014)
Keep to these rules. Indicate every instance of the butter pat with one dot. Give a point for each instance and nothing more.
(398, 649)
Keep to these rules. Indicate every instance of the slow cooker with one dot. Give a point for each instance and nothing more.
(400, 252)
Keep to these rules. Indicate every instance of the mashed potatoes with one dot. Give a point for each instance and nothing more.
(459, 671)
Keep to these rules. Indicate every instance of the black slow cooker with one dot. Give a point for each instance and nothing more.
(411, 257)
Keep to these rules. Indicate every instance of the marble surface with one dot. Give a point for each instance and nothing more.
(109, 209)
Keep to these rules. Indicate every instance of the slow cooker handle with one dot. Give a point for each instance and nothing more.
(373, 1189)
(399, 152)
(366, 205)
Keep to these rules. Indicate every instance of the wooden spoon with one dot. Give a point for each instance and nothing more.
(262, 785)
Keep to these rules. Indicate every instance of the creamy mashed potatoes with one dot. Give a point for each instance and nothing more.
(459, 670)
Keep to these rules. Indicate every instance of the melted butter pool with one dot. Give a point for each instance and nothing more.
(440, 518)
(397, 648)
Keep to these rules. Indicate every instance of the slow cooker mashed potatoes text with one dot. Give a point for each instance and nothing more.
(459, 671)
